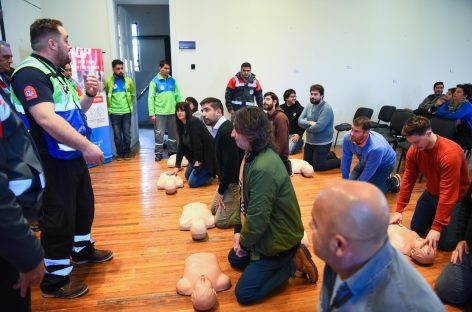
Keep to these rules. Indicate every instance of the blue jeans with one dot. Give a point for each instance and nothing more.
(423, 219)
(121, 124)
(262, 276)
(195, 177)
(294, 147)
(381, 177)
(317, 156)
(454, 284)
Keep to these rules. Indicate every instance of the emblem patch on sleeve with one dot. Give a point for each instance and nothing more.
(30, 93)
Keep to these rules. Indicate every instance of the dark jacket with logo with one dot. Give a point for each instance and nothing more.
(241, 92)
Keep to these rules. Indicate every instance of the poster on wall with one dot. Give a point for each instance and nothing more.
(89, 61)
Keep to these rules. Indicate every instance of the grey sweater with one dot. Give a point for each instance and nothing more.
(322, 132)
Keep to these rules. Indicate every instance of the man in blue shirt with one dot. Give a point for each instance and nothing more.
(376, 157)
(363, 271)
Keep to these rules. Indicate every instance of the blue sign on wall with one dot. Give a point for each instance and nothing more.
(187, 45)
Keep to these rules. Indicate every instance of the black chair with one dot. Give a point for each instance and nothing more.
(393, 134)
(361, 111)
(385, 115)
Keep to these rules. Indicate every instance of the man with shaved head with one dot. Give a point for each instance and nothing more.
(363, 271)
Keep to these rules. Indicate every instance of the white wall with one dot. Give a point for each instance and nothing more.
(18, 15)
(364, 52)
(87, 23)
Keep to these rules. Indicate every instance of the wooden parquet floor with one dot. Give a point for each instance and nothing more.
(141, 225)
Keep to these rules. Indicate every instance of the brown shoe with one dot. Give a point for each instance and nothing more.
(305, 264)
(68, 291)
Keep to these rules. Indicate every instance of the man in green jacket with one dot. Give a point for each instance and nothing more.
(164, 93)
(269, 228)
(120, 95)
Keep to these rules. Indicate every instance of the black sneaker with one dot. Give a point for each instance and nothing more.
(96, 256)
(396, 179)
(68, 291)
(127, 157)
(158, 157)
(119, 157)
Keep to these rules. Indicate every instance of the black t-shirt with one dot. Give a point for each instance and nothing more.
(32, 86)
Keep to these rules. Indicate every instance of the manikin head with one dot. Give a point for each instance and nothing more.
(198, 229)
(423, 254)
(203, 294)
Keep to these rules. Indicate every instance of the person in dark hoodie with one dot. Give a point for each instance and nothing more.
(293, 109)
(242, 89)
(280, 122)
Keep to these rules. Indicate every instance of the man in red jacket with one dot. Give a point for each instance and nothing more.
(444, 166)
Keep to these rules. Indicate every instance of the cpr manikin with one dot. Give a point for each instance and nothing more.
(202, 278)
(409, 243)
(171, 161)
(169, 182)
(197, 218)
(303, 167)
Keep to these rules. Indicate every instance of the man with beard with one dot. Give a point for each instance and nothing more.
(280, 122)
(225, 204)
(293, 109)
(58, 125)
(120, 96)
(242, 89)
(427, 106)
(376, 157)
(318, 120)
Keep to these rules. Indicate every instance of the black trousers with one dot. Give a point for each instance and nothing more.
(318, 157)
(68, 209)
(10, 299)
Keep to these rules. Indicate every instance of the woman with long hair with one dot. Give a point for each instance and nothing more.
(196, 144)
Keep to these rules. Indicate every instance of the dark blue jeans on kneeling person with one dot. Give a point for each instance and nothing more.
(454, 284)
(423, 218)
(260, 277)
(121, 124)
(379, 179)
(196, 176)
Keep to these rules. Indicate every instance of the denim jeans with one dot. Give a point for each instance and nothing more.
(454, 284)
(423, 219)
(198, 177)
(317, 156)
(381, 177)
(121, 124)
(294, 147)
(262, 276)
(163, 123)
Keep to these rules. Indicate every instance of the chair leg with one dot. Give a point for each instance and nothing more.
(402, 155)
(335, 141)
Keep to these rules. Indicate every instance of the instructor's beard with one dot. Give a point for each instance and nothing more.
(315, 102)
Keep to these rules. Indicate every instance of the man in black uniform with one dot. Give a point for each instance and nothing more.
(58, 124)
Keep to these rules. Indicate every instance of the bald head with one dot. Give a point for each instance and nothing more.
(349, 223)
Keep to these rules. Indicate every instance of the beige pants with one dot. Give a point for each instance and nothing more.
(224, 218)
